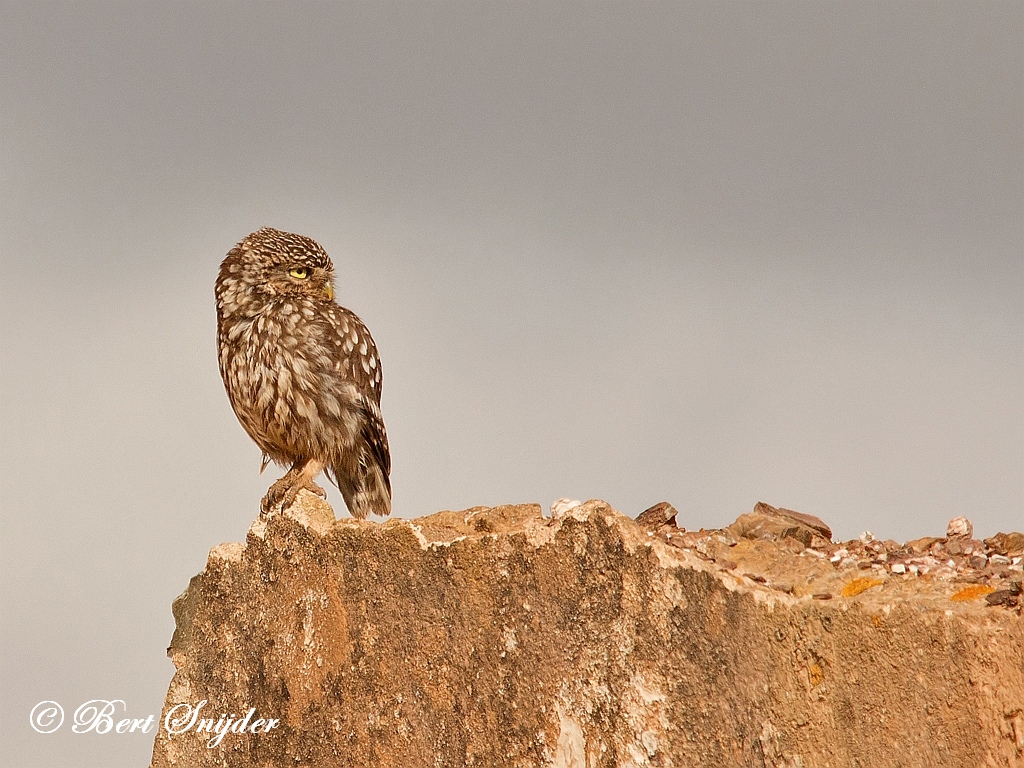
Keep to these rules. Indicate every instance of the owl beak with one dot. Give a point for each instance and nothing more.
(329, 291)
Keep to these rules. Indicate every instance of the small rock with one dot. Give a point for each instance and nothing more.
(1009, 544)
(560, 508)
(866, 537)
(822, 596)
(812, 522)
(898, 568)
(767, 522)
(978, 561)
(998, 560)
(959, 528)
(917, 546)
(1001, 597)
(660, 514)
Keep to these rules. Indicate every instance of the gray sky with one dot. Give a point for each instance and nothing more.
(707, 253)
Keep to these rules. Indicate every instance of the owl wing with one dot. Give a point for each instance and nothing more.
(356, 352)
(368, 490)
(375, 437)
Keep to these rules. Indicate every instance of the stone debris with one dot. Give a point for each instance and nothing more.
(658, 515)
(1007, 597)
(959, 528)
(774, 546)
(777, 524)
(1007, 544)
(562, 507)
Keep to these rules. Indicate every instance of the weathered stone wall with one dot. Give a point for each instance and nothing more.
(498, 637)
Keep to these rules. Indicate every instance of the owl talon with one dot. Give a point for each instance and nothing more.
(309, 485)
(282, 493)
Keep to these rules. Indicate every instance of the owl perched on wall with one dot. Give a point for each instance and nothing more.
(301, 372)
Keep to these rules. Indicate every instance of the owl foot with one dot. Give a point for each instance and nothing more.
(283, 492)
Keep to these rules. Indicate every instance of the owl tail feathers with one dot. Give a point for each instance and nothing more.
(370, 493)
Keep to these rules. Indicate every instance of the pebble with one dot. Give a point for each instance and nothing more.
(1001, 597)
(923, 544)
(1009, 544)
(657, 515)
(959, 528)
(561, 507)
(898, 568)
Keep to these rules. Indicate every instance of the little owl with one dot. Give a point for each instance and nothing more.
(301, 372)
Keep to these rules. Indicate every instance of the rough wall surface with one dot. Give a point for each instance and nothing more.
(498, 637)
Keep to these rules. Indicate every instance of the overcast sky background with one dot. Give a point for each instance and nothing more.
(706, 253)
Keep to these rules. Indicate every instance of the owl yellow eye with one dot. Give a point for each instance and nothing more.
(299, 273)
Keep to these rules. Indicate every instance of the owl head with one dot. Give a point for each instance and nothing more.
(271, 264)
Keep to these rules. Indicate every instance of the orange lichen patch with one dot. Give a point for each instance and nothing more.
(857, 586)
(876, 621)
(972, 592)
(815, 674)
